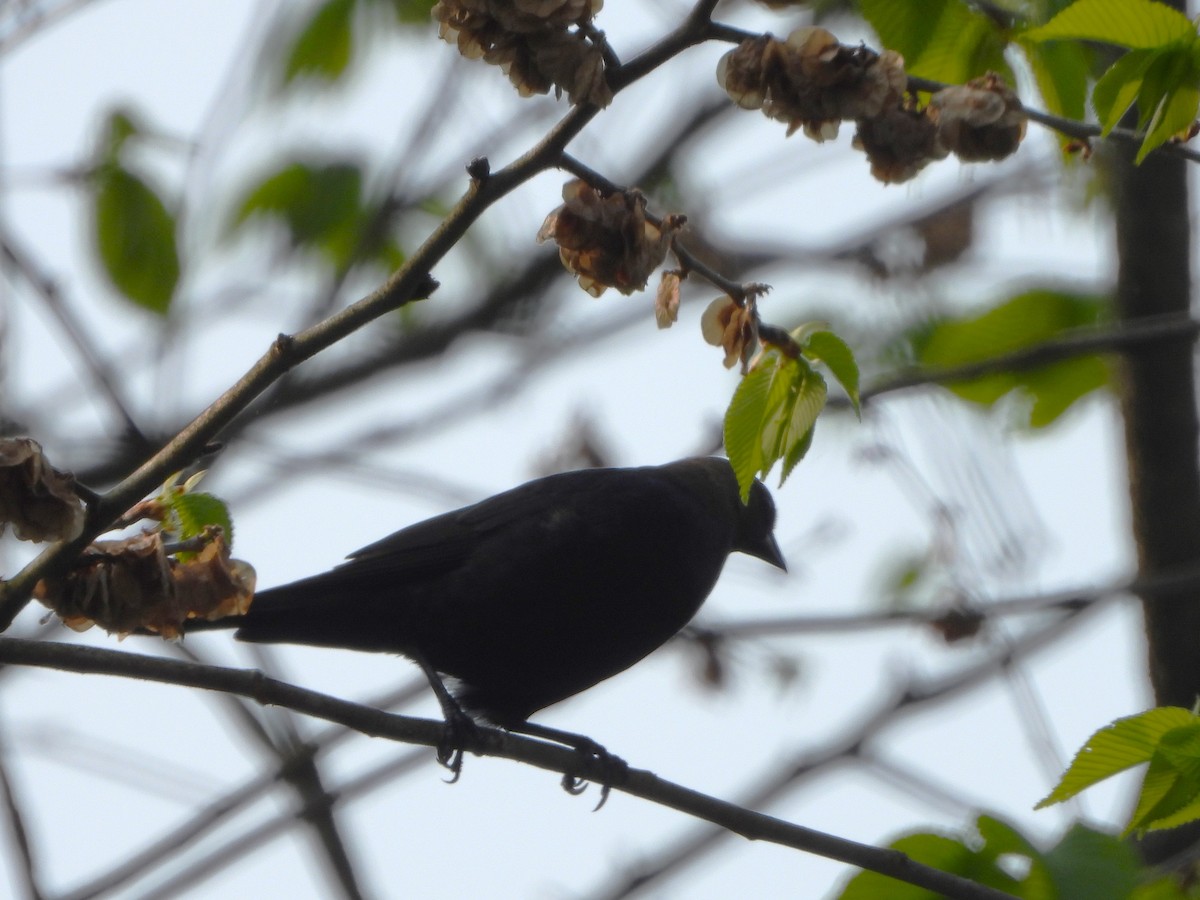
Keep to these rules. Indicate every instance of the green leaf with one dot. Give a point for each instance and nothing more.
(944, 40)
(1165, 888)
(796, 452)
(940, 852)
(1115, 748)
(135, 238)
(409, 12)
(1054, 388)
(320, 203)
(1170, 793)
(325, 45)
(1136, 24)
(1175, 112)
(744, 421)
(1117, 88)
(771, 416)
(827, 347)
(1030, 318)
(196, 511)
(799, 418)
(1092, 864)
(1061, 70)
(121, 125)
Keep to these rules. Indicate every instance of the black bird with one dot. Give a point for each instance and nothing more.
(534, 594)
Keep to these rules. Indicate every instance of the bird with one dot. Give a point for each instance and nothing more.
(535, 594)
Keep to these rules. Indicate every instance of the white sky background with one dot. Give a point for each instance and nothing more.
(507, 830)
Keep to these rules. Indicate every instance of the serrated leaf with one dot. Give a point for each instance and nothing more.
(1136, 24)
(781, 399)
(1118, 88)
(195, 512)
(771, 416)
(810, 400)
(325, 45)
(945, 40)
(796, 452)
(744, 421)
(1170, 793)
(1175, 112)
(135, 239)
(1117, 747)
(837, 355)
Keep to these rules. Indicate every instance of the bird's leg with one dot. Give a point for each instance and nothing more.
(614, 770)
(460, 727)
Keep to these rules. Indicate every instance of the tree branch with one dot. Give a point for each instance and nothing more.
(411, 282)
(268, 691)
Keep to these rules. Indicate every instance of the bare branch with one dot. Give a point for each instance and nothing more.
(493, 742)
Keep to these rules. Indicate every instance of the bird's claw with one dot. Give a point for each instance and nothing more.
(613, 770)
(450, 758)
(460, 730)
(574, 785)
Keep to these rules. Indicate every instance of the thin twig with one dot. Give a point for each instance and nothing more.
(1123, 337)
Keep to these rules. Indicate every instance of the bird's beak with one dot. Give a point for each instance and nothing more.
(768, 551)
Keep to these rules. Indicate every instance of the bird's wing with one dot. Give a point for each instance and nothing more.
(422, 550)
(437, 546)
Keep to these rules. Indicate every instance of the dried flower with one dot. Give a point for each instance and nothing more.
(979, 121)
(605, 239)
(730, 326)
(133, 584)
(899, 142)
(35, 498)
(532, 42)
(811, 81)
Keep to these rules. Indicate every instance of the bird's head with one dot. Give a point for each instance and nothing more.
(756, 528)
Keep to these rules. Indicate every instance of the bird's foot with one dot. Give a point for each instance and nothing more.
(460, 731)
(613, 770)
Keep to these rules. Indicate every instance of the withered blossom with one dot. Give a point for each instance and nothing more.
(133, 584)
(811, 81)
(37, 500)
(666, 301)
(605, 239)
(732, 327)
(538, 44)
(899, 142)
(979, 121)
